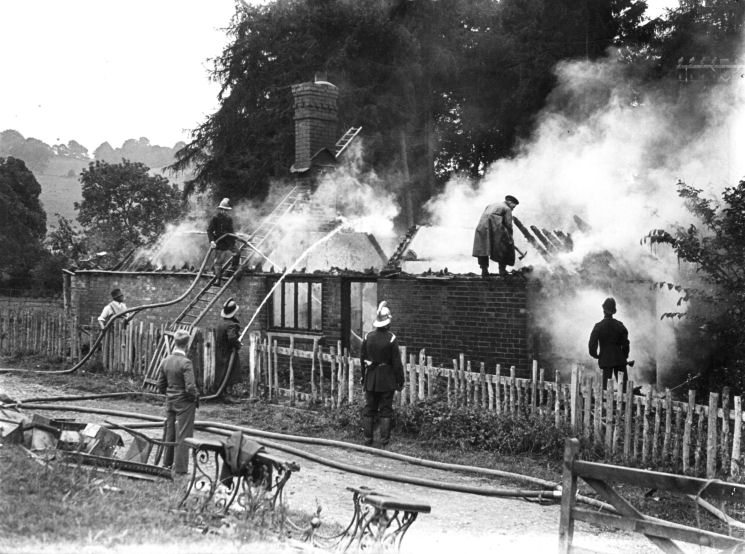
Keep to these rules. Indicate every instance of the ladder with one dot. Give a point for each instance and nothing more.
(203, 301)
(345, 140)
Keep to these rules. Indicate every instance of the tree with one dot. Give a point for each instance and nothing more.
(22, 221)
(717, 250)
(34, 152)
(437, 86)
(124, 206)
(105, 153)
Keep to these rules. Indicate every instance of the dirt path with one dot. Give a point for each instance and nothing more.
(458, 522)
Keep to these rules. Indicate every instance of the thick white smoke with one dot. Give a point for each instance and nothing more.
(613, 158)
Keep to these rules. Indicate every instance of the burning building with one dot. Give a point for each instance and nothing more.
(591, 203)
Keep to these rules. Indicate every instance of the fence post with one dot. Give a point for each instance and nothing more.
(412, 379)
(574, 397)
(627, 420)
(534, 387)
(350, 379)
(668, 425)
(568, 497)
(513, 408)
(735, 461)
(292, 371)
(420, 376)
(251, 364)
(686, 455)
(725, 449)
(332, 372)
(313, 371)
(402, 398)
(498, 389)
(711, 440)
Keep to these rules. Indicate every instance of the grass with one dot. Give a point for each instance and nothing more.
(526, 457)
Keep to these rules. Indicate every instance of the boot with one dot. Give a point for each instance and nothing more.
(385, 430)
(367, 429)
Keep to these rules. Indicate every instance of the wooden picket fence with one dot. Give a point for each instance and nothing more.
(28, 331)
(652, 430)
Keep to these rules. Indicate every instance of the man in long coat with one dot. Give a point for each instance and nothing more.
(493, 236)
(382, 375)
(227, 342)
(613, 339)
(177, 382)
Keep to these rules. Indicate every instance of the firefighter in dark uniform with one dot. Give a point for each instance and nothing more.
(225, 247)
(613, 338)
(382, 375)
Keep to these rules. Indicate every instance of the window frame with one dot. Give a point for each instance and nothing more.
(281, 292)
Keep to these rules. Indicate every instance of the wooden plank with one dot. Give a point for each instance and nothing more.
(656, 430)
(292, 371)
(598, 421)
(711, 438)
(340, 374)
(275, 367)
(430, 378)
(646, 430)
(609, 412)
(320, 375)
(700, 438)
(627, 415)
(725, 439)
(482, 385)
(534, 387)
(658, 530)
(498, 389)
(677, 433)
(587, 424)
(313, 391)
(637, 429)
(687, 426)
(542, 389)
(668, 425)
(513, 407)
(574, 418)
(568, 497)
(647, 479)
(420, 375)
(736, 437)
(557, 402)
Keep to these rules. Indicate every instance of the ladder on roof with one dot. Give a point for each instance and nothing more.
(345, 140)
(206, 298)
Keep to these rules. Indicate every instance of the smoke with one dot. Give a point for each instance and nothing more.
(610, 151)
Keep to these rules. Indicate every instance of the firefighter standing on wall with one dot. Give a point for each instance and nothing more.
(493, 236)
(382, 375)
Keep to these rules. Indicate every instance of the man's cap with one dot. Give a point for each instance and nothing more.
(229, 309)
(383, 317)
(510, 198)
(225, 204)
(116, 293)
(181, 335)
(609, 305)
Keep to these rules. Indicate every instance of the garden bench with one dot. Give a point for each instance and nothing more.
(262, 479)
(380, 520)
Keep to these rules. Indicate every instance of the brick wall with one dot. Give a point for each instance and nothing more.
(486, 320)
(91, 291)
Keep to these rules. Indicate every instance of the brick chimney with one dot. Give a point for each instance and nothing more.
(316, 120)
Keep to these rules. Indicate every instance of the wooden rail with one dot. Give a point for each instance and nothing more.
(662, 533)
(692, 436)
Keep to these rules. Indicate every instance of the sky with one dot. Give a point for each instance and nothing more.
(96, 71)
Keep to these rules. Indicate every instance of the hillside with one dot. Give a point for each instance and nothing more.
(60, 187)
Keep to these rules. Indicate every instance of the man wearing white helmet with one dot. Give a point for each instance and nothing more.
(382, 375)
(225, 247)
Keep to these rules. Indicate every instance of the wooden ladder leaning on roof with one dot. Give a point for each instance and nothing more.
(205, 299)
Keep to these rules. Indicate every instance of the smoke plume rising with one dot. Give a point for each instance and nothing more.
(611, 151)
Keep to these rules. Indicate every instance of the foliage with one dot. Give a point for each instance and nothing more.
(22, 221)
(462, 429)
(124, 206)
(34, 152)
(436, 86)
(717, 249)
(65, 240)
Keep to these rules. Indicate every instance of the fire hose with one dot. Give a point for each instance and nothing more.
(551, 490)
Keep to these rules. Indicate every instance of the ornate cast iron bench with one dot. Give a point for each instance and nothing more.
(380, 520)
(261, 480)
